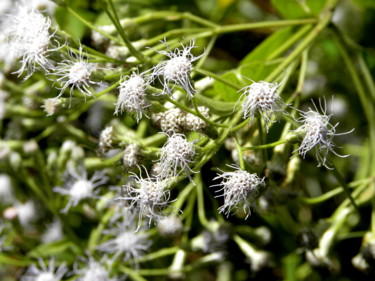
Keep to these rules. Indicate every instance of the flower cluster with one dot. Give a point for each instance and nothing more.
(177, 69)
(176, 155)
(45, 273)
(148, 195)
(127, 241)
(239, 188)
(261, 98)
(132, 96)
(80, 188)
(176, 120)
(30, 39)
(318, 134)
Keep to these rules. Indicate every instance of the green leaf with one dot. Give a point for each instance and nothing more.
(4, 259)
(70, 24)
(295, 9)
(51, 249)
(227, 93)
(365, 3)
(218, 107)
(264, 50)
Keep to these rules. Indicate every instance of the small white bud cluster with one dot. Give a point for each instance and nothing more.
(177, 69)
(131, 155)
(261, 98)
(132, 96)
(318, 134)
(106, 139)
(44, 272)
(239, 187)
(170, 226)
(78, 187)
(176, 155)
(176, 120)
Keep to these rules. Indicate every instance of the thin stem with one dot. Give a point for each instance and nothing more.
(345, 187)
(201, 210)
(262, 138)
(219, 78)
(323, 22)
(92, 26)
(264, 146)
(240, 154)
(114, 18)
(332, 193)
(259, 25)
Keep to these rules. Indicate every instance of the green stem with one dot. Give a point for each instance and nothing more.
(323, 22)
(345, 187)
(262, 138)
(201, 211)
(93, 27)
(264, 146)
(114, 18)
(260, 25)
(219, 78)
(240, 154)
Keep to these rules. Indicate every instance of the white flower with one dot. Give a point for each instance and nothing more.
(239, 188)
(177, 69)
(30, 40)
(132, 96)
(76, 72)
(94, 271)
(78, 187)
(176, 155)
(6, 189)
(170, 226)
(26, 212)
(126, 241)
(149, 196)
(45, 273)
(53, 233)
(318, 134)
(261, 98)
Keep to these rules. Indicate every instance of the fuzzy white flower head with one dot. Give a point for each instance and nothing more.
(148, 195)
(45, 273)
(239, 188)
(127, 241)
(78, 187)
(94, 271)
(30, 40)
(318, 134)
(132, 96)
(176, 155)
(261, 98)
(76, 72)
(177, 69)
